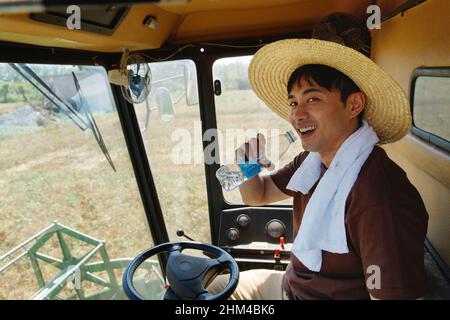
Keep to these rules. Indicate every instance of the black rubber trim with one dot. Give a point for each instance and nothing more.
(401, 9)
(141, 168)
(422, 134)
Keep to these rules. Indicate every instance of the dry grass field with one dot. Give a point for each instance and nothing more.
(59, 173)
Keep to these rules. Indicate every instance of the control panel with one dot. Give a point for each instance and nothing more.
(249, 225)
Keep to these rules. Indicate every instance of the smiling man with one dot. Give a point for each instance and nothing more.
(322, 95)
(359, 223)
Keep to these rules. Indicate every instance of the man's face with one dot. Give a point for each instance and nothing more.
(319, 116)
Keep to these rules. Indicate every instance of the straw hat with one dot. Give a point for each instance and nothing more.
(387, 108)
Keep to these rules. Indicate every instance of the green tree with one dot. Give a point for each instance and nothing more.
(21, 92)
(4, 92)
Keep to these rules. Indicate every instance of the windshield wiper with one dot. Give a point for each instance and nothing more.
(92, 124)
(84, 124)
(28, 74)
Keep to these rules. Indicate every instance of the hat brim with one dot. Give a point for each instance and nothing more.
(387, 109)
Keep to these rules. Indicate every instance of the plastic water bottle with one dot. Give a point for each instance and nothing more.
(233, 175)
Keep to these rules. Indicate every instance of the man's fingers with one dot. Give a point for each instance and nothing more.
(240, 155)
(247, 151)
(253, 150)
(267, 164)
(261, 139)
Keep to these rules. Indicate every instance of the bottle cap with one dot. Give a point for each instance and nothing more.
(291, 137)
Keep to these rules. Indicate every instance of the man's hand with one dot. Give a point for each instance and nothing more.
(254, 151)
(258, 191)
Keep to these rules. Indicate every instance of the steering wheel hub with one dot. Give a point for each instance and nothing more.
(187, 275)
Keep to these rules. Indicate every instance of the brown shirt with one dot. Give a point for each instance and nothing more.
(386, 223)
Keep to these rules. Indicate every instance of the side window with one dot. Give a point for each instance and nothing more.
(71, 217)
(431, 105)
(241, 115)
(172, 132)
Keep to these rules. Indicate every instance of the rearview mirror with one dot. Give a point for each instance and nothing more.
(191, 87)
(164, 103)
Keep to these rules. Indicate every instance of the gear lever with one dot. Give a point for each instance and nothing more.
(180, 233)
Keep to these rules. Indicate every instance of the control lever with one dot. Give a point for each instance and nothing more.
(282, 243)
(180, 233)
(276, 254)
(277, 257)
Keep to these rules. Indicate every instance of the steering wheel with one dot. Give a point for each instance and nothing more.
(187, 275)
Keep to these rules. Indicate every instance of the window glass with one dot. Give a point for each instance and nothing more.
(431, 105)
(70, 206)
(172, 133)
(241, 115)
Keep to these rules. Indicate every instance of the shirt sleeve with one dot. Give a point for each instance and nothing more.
(282, 176)
(389, 238)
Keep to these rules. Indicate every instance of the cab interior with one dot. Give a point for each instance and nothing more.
(135, 175)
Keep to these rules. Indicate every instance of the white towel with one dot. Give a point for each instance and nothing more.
(323, 224)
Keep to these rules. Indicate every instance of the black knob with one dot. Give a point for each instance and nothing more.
(180, 233)
(275, 228)
(243, 220)
(233, 234)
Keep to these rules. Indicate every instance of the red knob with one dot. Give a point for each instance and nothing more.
(276, 253)
(282, 242)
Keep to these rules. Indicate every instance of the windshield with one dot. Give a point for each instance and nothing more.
(69, 223)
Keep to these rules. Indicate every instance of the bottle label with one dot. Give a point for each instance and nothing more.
(250, 169)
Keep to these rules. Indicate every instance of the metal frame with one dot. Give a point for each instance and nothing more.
(25, 53)
(144, 177)
(72, 268)
(401, 9)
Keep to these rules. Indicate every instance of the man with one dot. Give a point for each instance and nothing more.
(359, 223)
